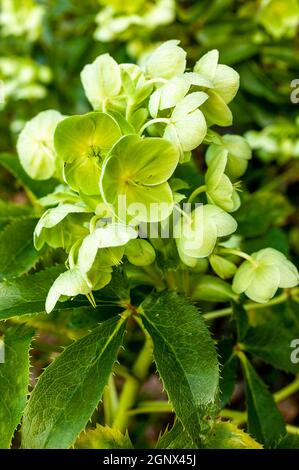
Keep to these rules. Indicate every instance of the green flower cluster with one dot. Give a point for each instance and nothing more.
(279, 141)
(115, 177)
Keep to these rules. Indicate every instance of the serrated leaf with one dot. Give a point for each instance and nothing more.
(271, 339)
(103, 437)
(289, 441)
(70, 389)
(228, 369)
(14, 378)
(176, 438)
(265, 423)
(27, 294)
(186, 359)
(17, 253)
(226, 435)
(37, 188)
(241, 319)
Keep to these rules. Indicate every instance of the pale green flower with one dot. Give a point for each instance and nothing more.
(138, 170)
(219, 188)
(187, 126)
(101, 81)
(59, 227)
(18, 18)
(238, 154)
(264, 274)
(82, 142)
(167, 61)
(220, 82)
(36, 145)
(197, 234)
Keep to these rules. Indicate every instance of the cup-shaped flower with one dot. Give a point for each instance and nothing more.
(261, 276)
(219, 189)
(103, 249)
(167, 61)
(238, 154)
(134, 178)
(82, 142)
(224, 84)
(101, 81)
(196, 234)
(36, 145)
(61, 226)
(187, 126)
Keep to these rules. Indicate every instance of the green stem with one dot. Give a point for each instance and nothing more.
(292, 429)
(110, 401)
(132, 385)
(239, 417)
(196, 192)
(241, 254)
(171, 280)
(152, 121)
(285, 392)
(158, 406)
(152, 271)
(248, 306)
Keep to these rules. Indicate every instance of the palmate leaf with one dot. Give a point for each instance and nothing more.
(14, 378)
(103, 437)
(186, 360)
(70, 388)
(17, 253)
(265, 423)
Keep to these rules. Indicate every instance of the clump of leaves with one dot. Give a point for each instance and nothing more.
(146, 241)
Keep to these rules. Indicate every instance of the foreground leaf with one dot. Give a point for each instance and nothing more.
(70, 389)
(27, 294)
(17, 253)
(14, 378)
(186, 359)
(265, 422)
(103, 437)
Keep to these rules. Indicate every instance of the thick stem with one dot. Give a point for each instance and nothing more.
(132, 385)
(241, 254)
(287, 391)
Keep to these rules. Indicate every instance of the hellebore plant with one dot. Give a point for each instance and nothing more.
(134, 231)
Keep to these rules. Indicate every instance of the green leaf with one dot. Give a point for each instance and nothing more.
(265, 422)
(270, 340)
(289, 441)
(14, 378)
(261, 211)
(228, 370)
(27, 294)
(241, 319)
(226, 435)
(9, 211)
(176, 438)
(70, 388)
(37, 188)
(17, 253)
(186, 359)
(103, 437)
